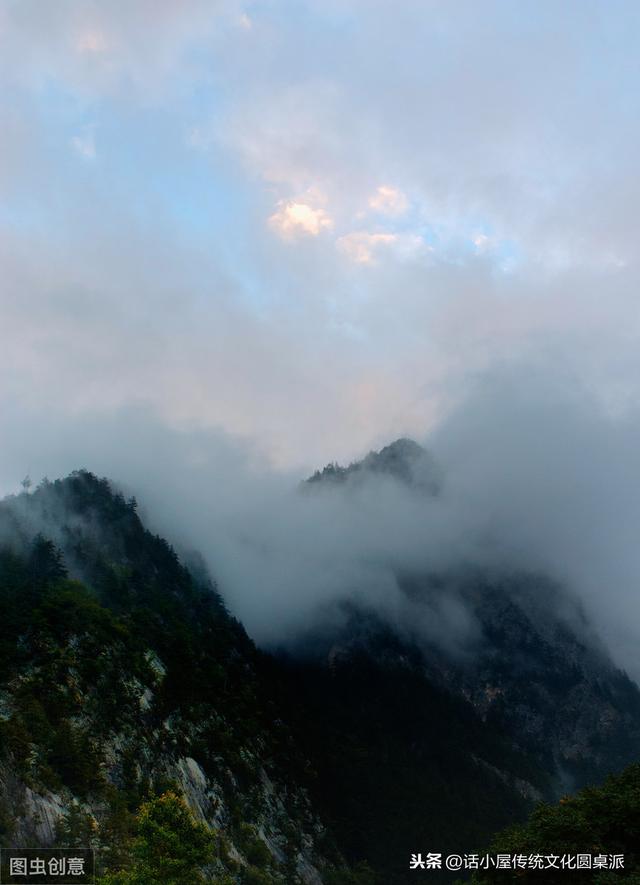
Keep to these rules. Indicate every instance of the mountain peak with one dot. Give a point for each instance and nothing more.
(404, 460)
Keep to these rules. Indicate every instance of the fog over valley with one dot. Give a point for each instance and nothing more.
(320, 436)
(531, 475)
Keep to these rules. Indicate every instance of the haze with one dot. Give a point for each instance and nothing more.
(238, 241)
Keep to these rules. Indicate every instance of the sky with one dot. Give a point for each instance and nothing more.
(241, 240)
(312, 225)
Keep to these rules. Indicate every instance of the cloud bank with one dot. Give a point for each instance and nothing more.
(309, 224)
(536, 478)
(239, 240)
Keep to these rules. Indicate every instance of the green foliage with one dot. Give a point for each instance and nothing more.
(361, 874)
(253, 848)
(254, 876)
(597, 820)
(141, 662)
(170, 847)
(7, 822)
(79, 657)
(389, 747)
(74, 756)
(76, 829)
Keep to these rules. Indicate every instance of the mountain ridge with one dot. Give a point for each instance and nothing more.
(123, 674)
(134, 681)
(403, 460)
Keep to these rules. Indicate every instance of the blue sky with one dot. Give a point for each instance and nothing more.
(311, 225)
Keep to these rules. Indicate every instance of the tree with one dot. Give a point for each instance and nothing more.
(597, 820)
(170, 847)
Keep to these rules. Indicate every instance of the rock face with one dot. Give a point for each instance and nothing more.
(530, 663)
(133, 681)
(122, 675)
(534, 671)
(528, 705)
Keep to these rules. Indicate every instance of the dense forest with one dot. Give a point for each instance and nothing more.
(138, 718)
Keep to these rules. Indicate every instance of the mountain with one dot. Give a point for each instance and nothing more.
(534, 704)
(123, 676)
(403, 460)
(125, 682)
(600, 823)
(534, 667)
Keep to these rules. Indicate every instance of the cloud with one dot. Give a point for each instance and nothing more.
(130, 53)
(482, 242)
(537, 477)
(361, 246)
(92, 41)
(479, 129)
(294, 217)
(153, 279)
(389, 201)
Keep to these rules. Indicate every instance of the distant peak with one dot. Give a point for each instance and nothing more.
(404, 460)
(403, 449)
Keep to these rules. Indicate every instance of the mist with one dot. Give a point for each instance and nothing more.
(537, 477)
(239, 243)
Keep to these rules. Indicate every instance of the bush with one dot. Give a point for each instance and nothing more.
(170, 847)
(597, 820)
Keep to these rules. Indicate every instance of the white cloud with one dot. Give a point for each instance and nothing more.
(361, 246)
(364, 247)
(295, 217)
(117, 284)
(389, 201)
(544, 158)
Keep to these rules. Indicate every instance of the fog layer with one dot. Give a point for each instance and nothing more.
(537, 476)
